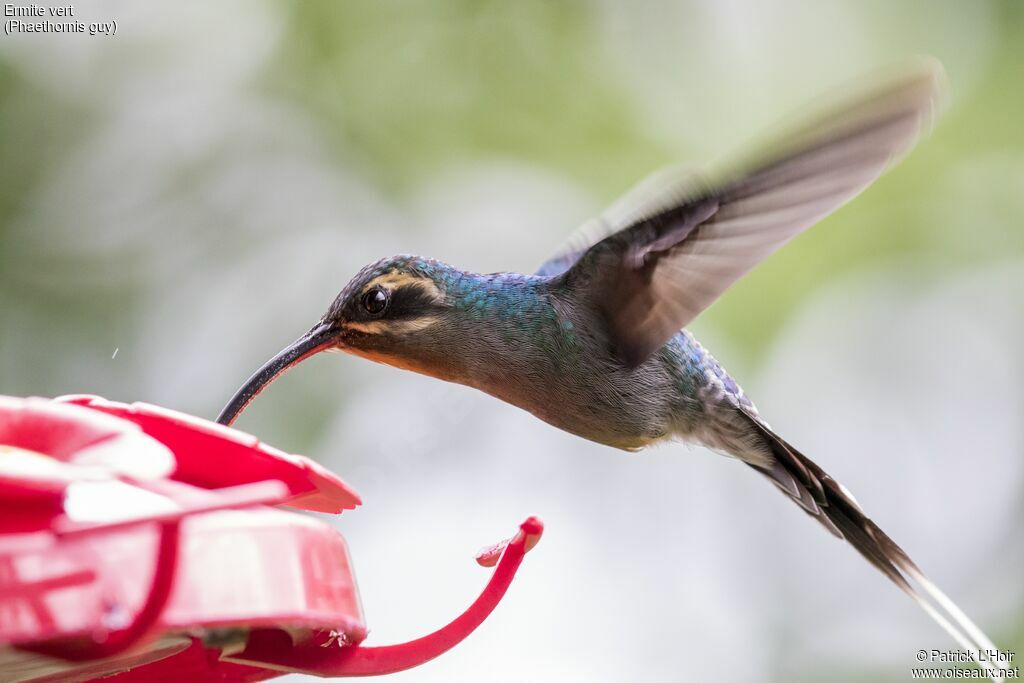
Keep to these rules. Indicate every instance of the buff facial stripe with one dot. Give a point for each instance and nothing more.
(396, 280)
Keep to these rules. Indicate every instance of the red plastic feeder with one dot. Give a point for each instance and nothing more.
(143, 544)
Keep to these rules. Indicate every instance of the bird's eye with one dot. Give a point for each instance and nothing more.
(375, 301)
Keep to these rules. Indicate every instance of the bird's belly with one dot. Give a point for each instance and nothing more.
(623, 414)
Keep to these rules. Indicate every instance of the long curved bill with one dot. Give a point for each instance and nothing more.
(314, 341)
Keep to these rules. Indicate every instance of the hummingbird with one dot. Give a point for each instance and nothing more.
(594, 343)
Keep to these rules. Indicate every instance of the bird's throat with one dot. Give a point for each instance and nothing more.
(442, 371)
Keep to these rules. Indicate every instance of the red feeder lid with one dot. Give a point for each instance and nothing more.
(211, 455)
(138, 540)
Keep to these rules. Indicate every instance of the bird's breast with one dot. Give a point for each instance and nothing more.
(567, 379)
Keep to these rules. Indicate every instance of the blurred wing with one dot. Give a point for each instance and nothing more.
(654, 275)
(660, 191)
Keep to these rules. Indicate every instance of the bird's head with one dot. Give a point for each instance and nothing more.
(388, 312)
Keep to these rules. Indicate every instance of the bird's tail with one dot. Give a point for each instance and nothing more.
(830, 503)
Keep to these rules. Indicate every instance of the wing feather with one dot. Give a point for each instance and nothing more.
(676, 243)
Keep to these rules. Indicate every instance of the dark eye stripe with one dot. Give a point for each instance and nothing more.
(410, 301)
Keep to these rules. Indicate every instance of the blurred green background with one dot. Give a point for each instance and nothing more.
(180, 200)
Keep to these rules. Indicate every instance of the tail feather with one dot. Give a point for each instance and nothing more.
(831, 504)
